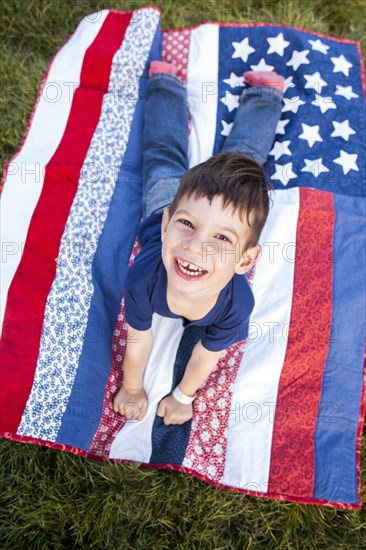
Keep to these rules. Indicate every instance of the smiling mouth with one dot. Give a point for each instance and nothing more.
(188, 269)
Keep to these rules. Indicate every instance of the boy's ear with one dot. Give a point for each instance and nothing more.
(164, 222)
(250, 257)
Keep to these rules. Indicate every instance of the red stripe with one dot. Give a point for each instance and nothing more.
(30, 287)
(175, 48)
(292, 455)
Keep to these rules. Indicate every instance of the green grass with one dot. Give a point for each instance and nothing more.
(56, 500)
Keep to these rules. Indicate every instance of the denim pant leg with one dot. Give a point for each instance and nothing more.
(255, 122)
(165, 141)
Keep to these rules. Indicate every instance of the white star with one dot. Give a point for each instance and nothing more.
(341, 65)
(243, 49)
(310, 133)
(280, 129)
(288, 84)
(347, 161)
(345, 91)
(280, 148)
(324, 103)
(315, 167)
(234, 81)
(315, 81)
(262, 66)
(277, 44)
(292, 104)
(226, 128)
(318, 46)
(342, 129)
(230, 101)
(298, 58)
(284, 173)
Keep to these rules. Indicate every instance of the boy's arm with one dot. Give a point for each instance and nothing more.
(139, 343)
(199, 367)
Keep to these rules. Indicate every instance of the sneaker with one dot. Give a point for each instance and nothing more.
(264, 78)
(162, 67)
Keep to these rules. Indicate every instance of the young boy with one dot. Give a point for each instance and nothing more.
(199, 235)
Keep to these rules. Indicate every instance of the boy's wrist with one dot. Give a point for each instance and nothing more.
(189, 391)
(183, 397)
(132, 388)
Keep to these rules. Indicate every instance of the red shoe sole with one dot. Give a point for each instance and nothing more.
(162, 67)
(264, 78)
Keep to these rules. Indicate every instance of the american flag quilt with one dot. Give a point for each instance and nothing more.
(281, 415)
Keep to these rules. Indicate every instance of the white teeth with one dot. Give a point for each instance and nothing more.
(197, 270)
(186, 264)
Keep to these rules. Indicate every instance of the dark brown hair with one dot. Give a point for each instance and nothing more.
(239, 179)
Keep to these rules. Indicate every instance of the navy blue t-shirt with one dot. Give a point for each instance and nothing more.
(145, 293)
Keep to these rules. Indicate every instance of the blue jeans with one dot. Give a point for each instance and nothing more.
(165, 134)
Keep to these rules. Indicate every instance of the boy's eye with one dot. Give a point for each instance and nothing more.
(185, 221)
(226, 238)
(188, 222)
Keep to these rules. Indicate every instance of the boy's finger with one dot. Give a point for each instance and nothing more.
(116, 407)
(161, 410)
(142, 412)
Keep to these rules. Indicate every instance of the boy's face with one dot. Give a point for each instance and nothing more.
(208, 237)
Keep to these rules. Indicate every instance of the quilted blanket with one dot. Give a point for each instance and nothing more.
(281, 415)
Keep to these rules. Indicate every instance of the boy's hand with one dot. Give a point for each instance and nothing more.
(173, 411)
(131, 403)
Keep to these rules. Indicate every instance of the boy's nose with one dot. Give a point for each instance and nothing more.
(194, 246)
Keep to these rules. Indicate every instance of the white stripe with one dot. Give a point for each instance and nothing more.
(68, 303)
(25, 174)
(133, 442)
(250, 426)
(202, 88)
